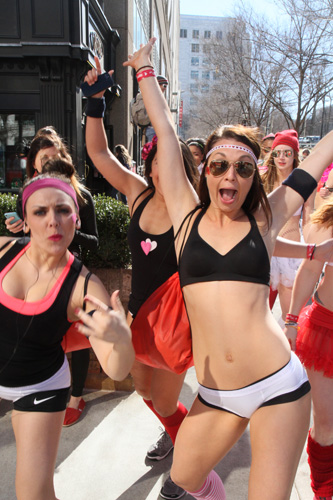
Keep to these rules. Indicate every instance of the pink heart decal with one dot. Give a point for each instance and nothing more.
(146, 246)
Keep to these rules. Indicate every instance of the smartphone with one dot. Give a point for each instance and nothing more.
(8, 215)
(104, 81)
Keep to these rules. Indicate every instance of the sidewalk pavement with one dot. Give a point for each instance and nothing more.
(103, 456)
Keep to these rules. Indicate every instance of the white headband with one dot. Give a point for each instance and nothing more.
(233, 146)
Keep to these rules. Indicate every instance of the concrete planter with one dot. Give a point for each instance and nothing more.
(112, 279)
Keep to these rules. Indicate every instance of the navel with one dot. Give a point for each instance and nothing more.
(229, 357)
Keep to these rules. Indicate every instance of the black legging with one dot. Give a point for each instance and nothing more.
(80, 365)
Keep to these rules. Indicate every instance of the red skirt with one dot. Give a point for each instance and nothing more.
(314, 344)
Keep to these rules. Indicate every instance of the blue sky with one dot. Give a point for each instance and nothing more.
(219, 8)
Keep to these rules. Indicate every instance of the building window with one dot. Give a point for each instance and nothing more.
(219, 35)
(183, 33)
(193, 101)
(205, 88)
(194, 87)
(16, 132)
(195, 47)
(207, 34)
(206, 49)
(205, 75)
(205, 62)
(194, 75)
(216, 75)
(194, 61)
(195, 34)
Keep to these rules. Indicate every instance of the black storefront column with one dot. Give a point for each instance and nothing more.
(44, 49)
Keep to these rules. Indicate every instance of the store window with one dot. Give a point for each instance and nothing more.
(16, 133)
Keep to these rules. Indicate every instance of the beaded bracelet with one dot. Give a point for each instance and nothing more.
(95, 107)
(145, 74)
(310, 249)
(142, 67)
(296, 327)
(291, 318)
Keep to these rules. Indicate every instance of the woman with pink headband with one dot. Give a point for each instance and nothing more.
(42, 291)
(48, 145)
(244, 365)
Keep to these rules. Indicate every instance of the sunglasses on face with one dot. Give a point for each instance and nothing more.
(243, 168)
(279, 152)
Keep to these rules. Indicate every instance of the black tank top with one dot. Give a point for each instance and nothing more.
(33, 342)
(246, 261)
(153, 259)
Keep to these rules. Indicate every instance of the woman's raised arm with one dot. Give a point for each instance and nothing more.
(179, 195)
(104, 160)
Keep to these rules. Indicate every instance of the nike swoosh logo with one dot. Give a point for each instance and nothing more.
(39, 401)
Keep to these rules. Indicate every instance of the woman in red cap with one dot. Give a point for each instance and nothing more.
(282, 160)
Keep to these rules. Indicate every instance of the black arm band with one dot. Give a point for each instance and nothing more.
(95, 107)
(302, 182)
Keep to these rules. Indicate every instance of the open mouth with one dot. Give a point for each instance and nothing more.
(227, 195)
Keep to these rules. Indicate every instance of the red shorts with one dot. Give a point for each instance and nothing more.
(314, 344)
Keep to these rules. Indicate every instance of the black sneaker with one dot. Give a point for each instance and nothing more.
(161, 448)
(171, 491)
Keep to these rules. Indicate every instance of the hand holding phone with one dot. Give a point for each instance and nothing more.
(8, 215)
(104, 81)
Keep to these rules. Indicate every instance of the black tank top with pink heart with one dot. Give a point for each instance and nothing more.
(153, 259)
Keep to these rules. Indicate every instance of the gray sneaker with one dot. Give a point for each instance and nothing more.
(161, 448)
(171, 491)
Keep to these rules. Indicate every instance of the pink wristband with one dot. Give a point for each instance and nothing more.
(147, 73)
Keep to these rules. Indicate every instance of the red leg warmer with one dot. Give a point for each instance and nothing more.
(272, 297)
(320, 459)
(171, 423)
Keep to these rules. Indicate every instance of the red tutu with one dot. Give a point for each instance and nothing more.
(314, 344)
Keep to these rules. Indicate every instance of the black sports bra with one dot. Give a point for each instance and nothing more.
(247, 261)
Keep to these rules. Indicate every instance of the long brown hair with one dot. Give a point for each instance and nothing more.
(270, 176)
(251, 137)
(189, 164)
(324, 214)
(47, 137)
(40, 142)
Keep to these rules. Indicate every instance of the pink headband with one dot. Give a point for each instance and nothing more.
(45, 183)
(233, 146)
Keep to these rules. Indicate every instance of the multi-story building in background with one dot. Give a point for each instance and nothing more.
(197, 75)
(45, 47)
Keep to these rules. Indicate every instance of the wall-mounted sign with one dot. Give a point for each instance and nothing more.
(96, 44)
